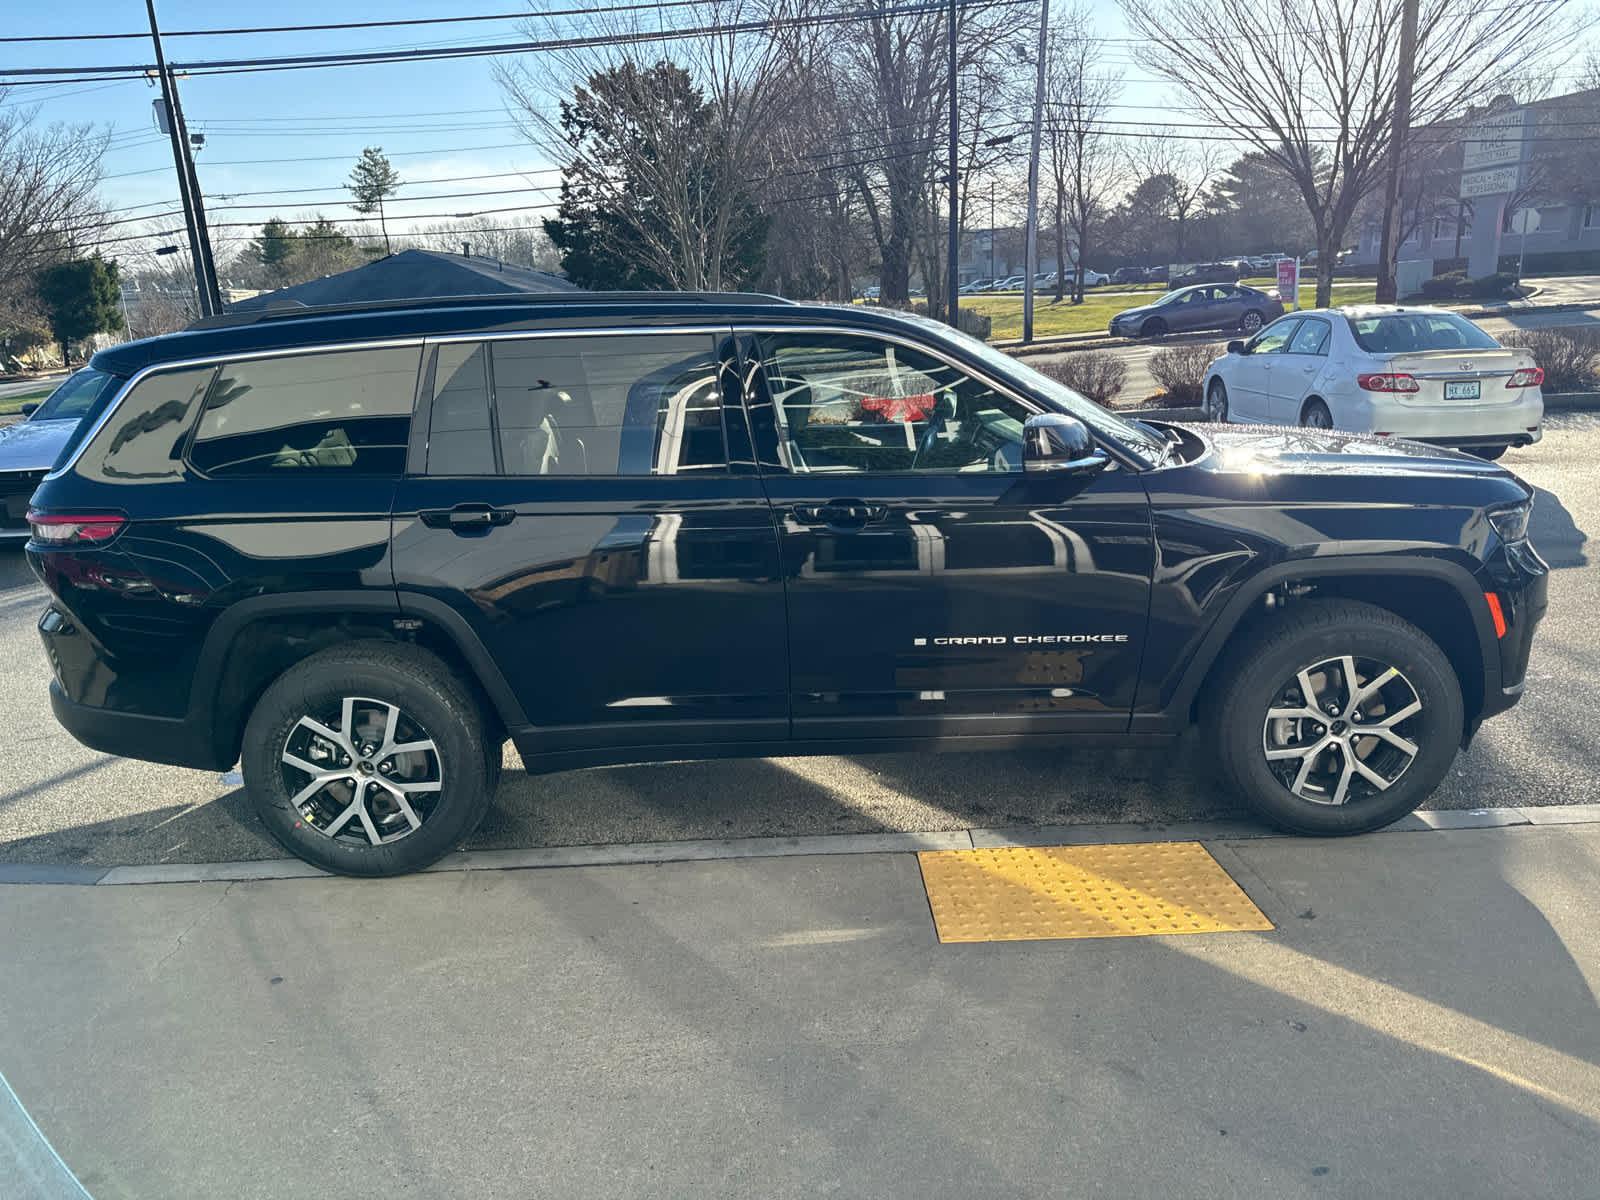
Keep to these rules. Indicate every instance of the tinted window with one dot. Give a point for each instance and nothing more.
(460, 433)
(857, 404)
(76, 396)
(1311, 338)
(1402, 333)
(143, 440)
(346, 412)
(632, 404)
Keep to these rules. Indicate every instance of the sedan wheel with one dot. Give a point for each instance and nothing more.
(1315, 415)
(1217, 402)
(1250, 322)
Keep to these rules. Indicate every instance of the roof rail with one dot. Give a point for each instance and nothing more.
(294, 310)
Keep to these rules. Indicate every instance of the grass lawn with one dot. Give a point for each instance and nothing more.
(13, 404)
(1097, 309)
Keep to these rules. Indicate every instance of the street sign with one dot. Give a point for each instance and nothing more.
(1289, 281)
(1494, 182)
(1493, 141)
(1525, 221)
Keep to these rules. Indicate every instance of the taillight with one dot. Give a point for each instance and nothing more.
(1388, 383)
(1526, 377)
(74, 529)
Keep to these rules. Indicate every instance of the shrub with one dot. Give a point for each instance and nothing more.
(1570, 356)
(1444, 287)
(1494, 287)
(1181, 371)
(1093, 373)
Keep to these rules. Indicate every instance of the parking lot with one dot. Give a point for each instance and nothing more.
(64, 804)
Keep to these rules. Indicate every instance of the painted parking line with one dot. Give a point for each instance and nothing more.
(30, 1168)
(1023, 893)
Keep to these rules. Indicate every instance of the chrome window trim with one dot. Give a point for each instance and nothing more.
(1118, 451)
(506, 335)
(183, 364)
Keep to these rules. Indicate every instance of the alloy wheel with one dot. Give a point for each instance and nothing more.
(1251, 322)
(369, 774)
(1342, 730)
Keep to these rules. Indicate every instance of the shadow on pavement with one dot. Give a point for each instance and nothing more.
(1554, 533)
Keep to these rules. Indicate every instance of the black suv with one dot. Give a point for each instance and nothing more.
(359, 548)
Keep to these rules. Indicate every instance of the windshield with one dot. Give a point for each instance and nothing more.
(75, 397)
(1135, 437)
(1404, 333)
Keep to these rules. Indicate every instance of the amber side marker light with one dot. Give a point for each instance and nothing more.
(1497, 613)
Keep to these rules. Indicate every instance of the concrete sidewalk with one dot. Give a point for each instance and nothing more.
(1421, 1022)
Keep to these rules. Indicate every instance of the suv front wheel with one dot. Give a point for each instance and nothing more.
(369, 759)
(1339, 719)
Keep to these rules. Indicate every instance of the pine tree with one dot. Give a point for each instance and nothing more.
(373, 179)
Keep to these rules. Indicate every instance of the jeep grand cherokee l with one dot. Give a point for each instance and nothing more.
(359, 548)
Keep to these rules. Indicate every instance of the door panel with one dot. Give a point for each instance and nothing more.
(621, 573)
(1297, 367)
(963, 596)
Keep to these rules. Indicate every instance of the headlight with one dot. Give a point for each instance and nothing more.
(1511, 522)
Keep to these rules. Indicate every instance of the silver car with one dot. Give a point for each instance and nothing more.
(29, 448)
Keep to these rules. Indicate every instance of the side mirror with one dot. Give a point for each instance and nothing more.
(29, 409)
(1056, 442)
(1236, 347)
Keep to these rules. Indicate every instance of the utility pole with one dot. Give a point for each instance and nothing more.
(953, 272)
(205, 271)
(1389, 244)
(991, 230)
(1032, 266)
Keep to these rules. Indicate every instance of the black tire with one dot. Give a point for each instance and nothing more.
(1236, 719)
(1217, 402)
(1153, 328)
(1315, 415)
(435, 707)
(1489, 452)
(1252, 321)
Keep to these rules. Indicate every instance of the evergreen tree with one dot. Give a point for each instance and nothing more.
(371, 181)
(81, 298)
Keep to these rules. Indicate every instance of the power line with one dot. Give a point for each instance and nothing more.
(314, 61)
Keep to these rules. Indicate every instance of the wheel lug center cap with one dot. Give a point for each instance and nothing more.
(364, 766)
(1339, 728)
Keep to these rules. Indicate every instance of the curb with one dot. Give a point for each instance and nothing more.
(724, 849)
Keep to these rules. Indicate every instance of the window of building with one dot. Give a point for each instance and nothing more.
(853, 404)
(345, 412)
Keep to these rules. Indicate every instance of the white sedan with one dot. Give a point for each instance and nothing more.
(1421, 373)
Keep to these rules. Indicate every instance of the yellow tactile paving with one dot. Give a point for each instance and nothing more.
(1017, 893)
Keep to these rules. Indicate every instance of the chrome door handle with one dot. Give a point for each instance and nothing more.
(466, 518)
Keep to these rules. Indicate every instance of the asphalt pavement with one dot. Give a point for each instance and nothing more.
(62, 803)
(1420, 1022)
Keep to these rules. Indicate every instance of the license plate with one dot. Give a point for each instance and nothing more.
(1462, 391)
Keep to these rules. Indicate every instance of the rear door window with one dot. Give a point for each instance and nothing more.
(343, 412)
(611, 405)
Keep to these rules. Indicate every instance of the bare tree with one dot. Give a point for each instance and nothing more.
(1082, 159)
(521, 242)
(1290, 78)
(49, 210)
(1187, 168)
(697, 172)
(890, 73)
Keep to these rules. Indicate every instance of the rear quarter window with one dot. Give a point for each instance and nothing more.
(142, 442)
(344, 412)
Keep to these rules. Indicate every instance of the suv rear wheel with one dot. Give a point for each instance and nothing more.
(1340, 719)
(369, 759)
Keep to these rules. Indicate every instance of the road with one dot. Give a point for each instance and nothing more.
(61, 803)
(31, 385)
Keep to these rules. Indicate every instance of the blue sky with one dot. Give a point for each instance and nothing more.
(274, 131)
(279, 130)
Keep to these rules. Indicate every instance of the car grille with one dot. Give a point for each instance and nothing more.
(16, 487)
